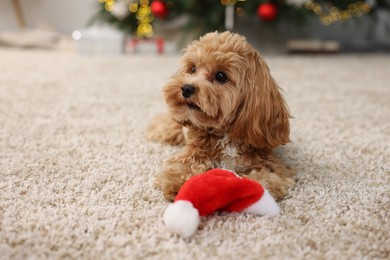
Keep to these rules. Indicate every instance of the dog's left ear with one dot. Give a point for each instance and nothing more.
(263, 117)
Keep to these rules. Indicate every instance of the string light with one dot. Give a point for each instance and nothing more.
(240, 11)
(228, 2)
(142, 12)
(332, 14)
(109, 4)
(145, 18)
(133, 8)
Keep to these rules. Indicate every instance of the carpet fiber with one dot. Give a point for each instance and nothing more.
(76, 172)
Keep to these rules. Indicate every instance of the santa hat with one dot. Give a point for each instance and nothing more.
(216, 190)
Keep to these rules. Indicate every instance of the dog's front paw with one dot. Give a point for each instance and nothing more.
(169, 183)
(164, 130)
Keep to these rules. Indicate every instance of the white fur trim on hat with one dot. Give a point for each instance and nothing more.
(182, 218)
(266, 205)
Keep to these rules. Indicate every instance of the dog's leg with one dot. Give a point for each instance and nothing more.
(275, 184)
(274, 175)
(164, 129)
(171, 178)
(177, 171)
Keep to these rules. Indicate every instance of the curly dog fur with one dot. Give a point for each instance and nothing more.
(228, 111)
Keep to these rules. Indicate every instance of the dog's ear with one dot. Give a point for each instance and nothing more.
(262, 118)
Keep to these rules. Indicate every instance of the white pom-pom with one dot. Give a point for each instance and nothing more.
(182, 218)
(266, 205)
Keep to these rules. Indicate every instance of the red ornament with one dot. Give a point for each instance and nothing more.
(159, 9)
(267, 12)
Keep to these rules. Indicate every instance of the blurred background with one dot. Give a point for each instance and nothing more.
(165, 26)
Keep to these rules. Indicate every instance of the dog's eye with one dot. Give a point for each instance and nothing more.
(221, 77)
(193, 69)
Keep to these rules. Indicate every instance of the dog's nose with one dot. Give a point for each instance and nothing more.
(187, 90)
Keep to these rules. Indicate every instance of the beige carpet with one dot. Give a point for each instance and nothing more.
(76, 172)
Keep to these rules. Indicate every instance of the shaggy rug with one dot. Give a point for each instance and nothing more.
(76, 172)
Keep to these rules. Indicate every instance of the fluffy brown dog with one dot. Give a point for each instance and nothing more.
(232, 114)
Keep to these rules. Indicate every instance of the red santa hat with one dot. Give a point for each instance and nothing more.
(216, 190)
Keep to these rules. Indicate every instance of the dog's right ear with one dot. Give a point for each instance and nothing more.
(263, 117)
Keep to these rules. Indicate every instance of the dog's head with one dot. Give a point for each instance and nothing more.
(225, 86)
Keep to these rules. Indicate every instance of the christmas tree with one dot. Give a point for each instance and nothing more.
(137, 17)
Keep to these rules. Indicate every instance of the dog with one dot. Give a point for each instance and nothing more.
(227, 110)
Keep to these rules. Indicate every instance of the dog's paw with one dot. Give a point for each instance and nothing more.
(163, 129)
(168, 184)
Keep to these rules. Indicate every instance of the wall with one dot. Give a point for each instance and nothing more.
(63, 16)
